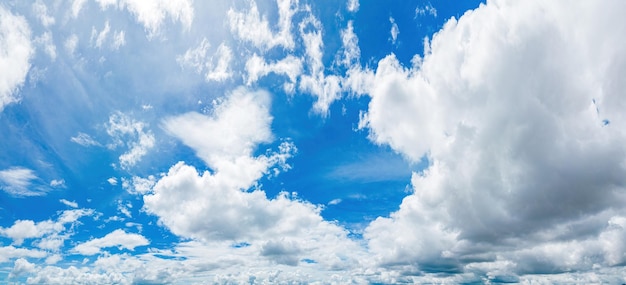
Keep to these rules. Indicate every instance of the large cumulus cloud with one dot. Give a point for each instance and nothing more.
(518, 107)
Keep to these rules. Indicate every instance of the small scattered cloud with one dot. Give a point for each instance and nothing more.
(77, 5)
(71, 42)
(84, 140)
(353, 6)
(427, 9)
(335, 201)
(57, 183)
(69, 203)
(112, 181)
(119, 40)
(395, 31)
(45, 41)
(41, 11)
(139, 185)
(132, 134)
(118, 238)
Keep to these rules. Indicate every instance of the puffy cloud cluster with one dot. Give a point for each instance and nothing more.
(47, 236)
(518, 107)
(217, 209)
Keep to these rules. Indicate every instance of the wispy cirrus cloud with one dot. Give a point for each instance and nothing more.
(20, 181)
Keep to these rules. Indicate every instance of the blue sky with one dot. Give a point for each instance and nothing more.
(324, 142)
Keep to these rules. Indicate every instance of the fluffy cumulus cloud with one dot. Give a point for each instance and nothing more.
(15, 57)
(48, 234)
(118, 238)
(218, 210)
(516, 106)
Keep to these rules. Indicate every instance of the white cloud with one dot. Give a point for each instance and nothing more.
(15, 58)
(77, 5)
(221, 70)
(196, 57)
(52, 242)
(356, 80)
(509, 111)
(112, 181)
(84, 140)
(57, 183)
(69, 203)
(119, 40)
(27, 229)
(350, 46)
(118, 238)
(40, 9)
(139, 185)
(45, 41)
(100, 37)
(152, 14)
(426, 9)
(327, 89)
(353, 6)
(334, 202)
(251, 26)
(22, 266)
(71, 43)
(53, 259)
(280, 230)
(10, 252)
(394, 30)
(111, 269)
(214, 68)
(290, 66)
(124, 208)
(18, 181)
(130, 133)
(242, 120)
